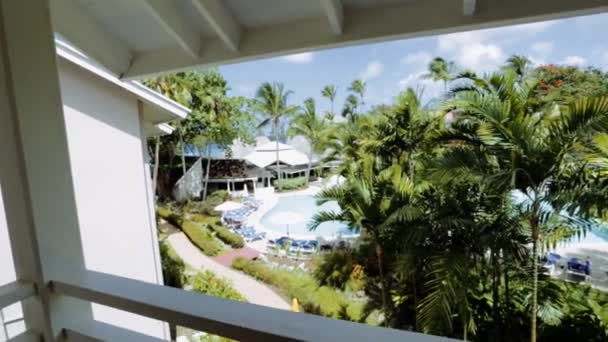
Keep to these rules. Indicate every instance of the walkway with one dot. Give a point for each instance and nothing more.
(226, 259)
(254, 291)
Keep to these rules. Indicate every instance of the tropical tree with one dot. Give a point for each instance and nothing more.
(329, 92)
(308, 125)
(350, 107)
(358, 88)
(216, 119)
(440, 70)
(519, 64)
(508, 140)
(372, 200)
(271, 100)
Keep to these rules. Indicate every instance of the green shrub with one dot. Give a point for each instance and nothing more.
(288, 184)
(335, 268)
(212, 285)
(202, 238)
(227, 236)
(199, 235)
(173, 266)
(320, 300)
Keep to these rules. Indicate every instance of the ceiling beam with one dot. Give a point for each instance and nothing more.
(468, 7)
(389, 22)
(174, 23)
(82, 30)
(221, 20)
(335, 14)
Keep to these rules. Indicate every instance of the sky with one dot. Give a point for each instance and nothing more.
(389, 67)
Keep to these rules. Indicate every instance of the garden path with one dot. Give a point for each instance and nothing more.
(254, 291)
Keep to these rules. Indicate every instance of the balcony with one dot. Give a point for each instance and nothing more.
(235, 320)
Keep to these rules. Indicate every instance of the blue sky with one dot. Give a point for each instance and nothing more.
(392, 66)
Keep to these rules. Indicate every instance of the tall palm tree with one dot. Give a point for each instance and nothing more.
(404, 132)
(350, 107)
(440, 70)
(358, 87)
(372, 200)
(311, 127)
(505, 138)
(271, 99)
(329, 92)
(519, 64)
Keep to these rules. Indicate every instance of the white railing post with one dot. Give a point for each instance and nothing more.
(35, 178)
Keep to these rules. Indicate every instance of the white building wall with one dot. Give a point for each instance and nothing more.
(118, 234)
(112, 190)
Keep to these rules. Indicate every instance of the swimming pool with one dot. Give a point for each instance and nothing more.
(295, 213)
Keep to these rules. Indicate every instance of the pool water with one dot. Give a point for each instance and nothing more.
(302, 208)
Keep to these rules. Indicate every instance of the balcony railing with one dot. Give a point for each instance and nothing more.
(236, 320)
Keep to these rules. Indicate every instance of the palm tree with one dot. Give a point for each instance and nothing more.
(329, 92)
(311, 127)
(404, 132)
(271, 99)
(358, 87)
(440, 70)
(519, 64)
(350, 107)
(507, 139)
(372, 200)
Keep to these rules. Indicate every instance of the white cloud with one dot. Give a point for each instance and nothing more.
(299, 58)
(577, 61)
(472, 50)
(371, 71)
(428, 88)
(542, 49)
(417, 59)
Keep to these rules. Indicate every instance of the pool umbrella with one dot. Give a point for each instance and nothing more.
(287, 218)
(228, 205)
(295, 306)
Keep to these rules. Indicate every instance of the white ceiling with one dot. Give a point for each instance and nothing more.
(140, 38)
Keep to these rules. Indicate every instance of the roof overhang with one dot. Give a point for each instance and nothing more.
(136, 39)
(157, 109)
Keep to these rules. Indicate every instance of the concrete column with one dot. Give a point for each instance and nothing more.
(35, 176)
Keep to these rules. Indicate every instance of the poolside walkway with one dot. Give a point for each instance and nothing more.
(226, 259)
(254, 291)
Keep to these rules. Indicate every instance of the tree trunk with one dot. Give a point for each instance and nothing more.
(181, 143)
(155, 170)
(278, 165)
(207, 168)
(495, 298)
(382, 283)
(534, 304)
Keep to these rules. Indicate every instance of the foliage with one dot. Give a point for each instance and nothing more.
(314, 129)
(216, 118)
(206, 282)
(173, 266)
(201, 238)
(316, 299)
(340, 269)
(271, 100)
(289, 184)
(226, 235)
(199, 235)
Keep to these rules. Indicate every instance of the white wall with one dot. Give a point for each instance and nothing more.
(118, 232)
(112, 190)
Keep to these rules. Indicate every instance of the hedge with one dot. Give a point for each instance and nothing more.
(320, 300)
(200, 236)
(172, 265)
(208, 283)
(226, 235)
(288, 184)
